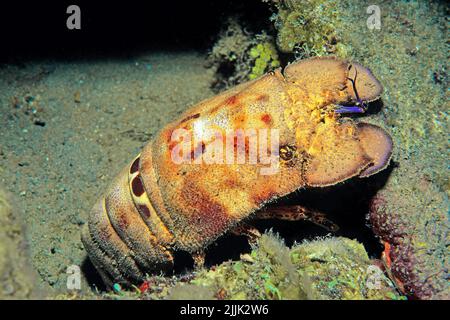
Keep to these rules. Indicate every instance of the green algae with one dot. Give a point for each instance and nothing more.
(266, 58)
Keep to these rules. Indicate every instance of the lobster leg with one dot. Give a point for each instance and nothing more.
(296, 213)
(199, 259)
(244, 229)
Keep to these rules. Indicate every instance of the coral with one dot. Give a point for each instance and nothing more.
(332, 268)
(267, 273)
(413, 224)
(309, 27)
(339, 268)
(329, 268)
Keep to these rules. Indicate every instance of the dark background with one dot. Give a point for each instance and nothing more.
(35, 29)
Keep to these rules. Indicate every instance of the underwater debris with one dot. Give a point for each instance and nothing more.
(77, 97)
(440, 76)
(157, 287)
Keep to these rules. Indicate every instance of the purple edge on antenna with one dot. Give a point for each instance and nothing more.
(349, 109)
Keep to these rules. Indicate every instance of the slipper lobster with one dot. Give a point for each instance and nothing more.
(181, 192)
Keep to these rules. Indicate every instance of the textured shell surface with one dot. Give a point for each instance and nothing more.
(157, 206)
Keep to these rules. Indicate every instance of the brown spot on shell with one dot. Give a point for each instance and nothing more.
(169, 132)
(135, 166)
(207, 214)
(239, 120)
(262, 98)
(193, 116)
(172, 145)
(238, 139)
(231, 100)
(169, 136)
(123, 221)
(144, 210)
(137, 186)
(103, 234)
(121, 215)
(266, 118)
(231, 183)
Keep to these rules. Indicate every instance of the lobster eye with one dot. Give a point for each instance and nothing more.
(287, 152)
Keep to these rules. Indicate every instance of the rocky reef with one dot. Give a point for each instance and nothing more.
(413, 225)
(410, 213)
(329, 268)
